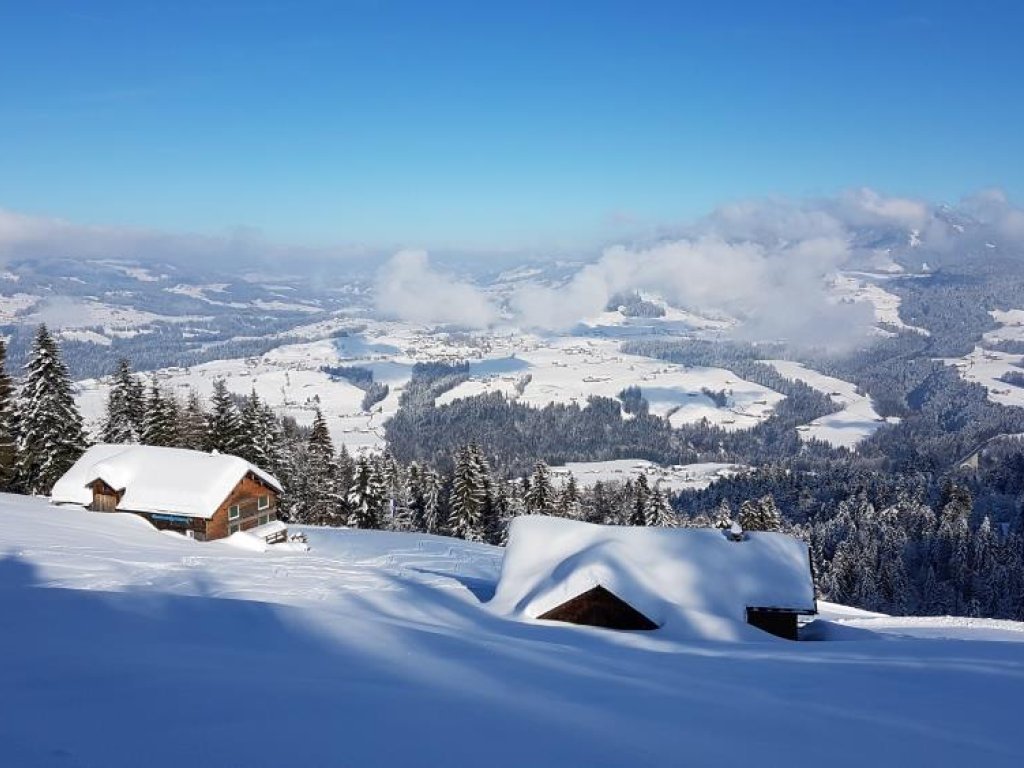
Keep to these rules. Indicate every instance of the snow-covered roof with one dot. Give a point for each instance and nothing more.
(157, 480)
(694, 578)
(267, 530)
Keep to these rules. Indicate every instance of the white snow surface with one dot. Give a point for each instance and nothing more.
(692, 583)
(859, 286)
(123, 646)
(857, 420)
(673, 478)
(163, 480)
(986, 367)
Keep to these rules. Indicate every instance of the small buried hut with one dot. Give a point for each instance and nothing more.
(699, 583)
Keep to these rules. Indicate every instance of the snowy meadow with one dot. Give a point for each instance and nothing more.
(379, 648)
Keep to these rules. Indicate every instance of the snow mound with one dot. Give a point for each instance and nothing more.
(171, 480)
(691, 582)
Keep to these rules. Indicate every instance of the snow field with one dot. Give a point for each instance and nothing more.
(674, 478)
(846, 428)
(854, 287)
(985, 367)
(376, 649)
(569, 370)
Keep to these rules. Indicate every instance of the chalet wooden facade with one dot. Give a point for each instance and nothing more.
(200, 495)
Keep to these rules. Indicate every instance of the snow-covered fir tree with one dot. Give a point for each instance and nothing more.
(8, 425)
(467, 499)
(50, 436)
(659, 513)
(723, 516)
(320, 500)
(568, 503)
(641, 500)
(433, 511)
(540, 495)
(760, 515)
(223, 425)
(123, 420)
(193, 424)
(160, 426)
(366, 497)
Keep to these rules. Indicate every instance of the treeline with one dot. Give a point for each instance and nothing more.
(907, 544)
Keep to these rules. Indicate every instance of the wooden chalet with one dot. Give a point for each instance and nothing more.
(205, 496)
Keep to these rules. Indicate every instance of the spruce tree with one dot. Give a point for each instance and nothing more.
(466, 503)
(51, 437)
(658, 512)
(125, 414)
(321, 504)
(366, 498)
(8, 425)
(433, 514)
(161, 422)
(540, 495)
(193, 424)
(223, 428)
(723, 516)
(641, 500)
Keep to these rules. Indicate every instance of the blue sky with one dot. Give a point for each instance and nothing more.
(492, 124)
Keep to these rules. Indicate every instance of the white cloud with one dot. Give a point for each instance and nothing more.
(408, 288)
(27, 236)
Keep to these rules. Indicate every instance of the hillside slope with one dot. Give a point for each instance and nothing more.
(123, 646)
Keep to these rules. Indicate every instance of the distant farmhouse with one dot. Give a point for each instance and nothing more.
(695, 582)
(204, 496)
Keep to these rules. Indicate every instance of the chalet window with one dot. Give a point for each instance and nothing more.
(263, 502)
(264, 519)
(233, 512)
(234, 528)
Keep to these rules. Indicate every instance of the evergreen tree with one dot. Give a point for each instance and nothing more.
(760, 515)
(433, 513)
(366, 498)
(51, 436)
(223, 428)
(416, 495)
(640, 501)
(161, 422)
(568, 504)
(540, 494)
(8, 425)
(125, 413)
(658, 512)
(193, 424)
(321, 504)
(251, 445)
(466, 503)
(723, 516)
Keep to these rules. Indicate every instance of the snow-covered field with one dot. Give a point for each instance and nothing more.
(1011, 326)
(846, 428)
(571, 369)
(850, 286)
(123, 646)
(674, 478)
(985, 367)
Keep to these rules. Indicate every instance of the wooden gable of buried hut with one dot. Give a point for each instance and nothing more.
(598, 607)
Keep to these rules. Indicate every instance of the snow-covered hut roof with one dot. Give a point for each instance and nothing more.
(157, 480)
(694, 579)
